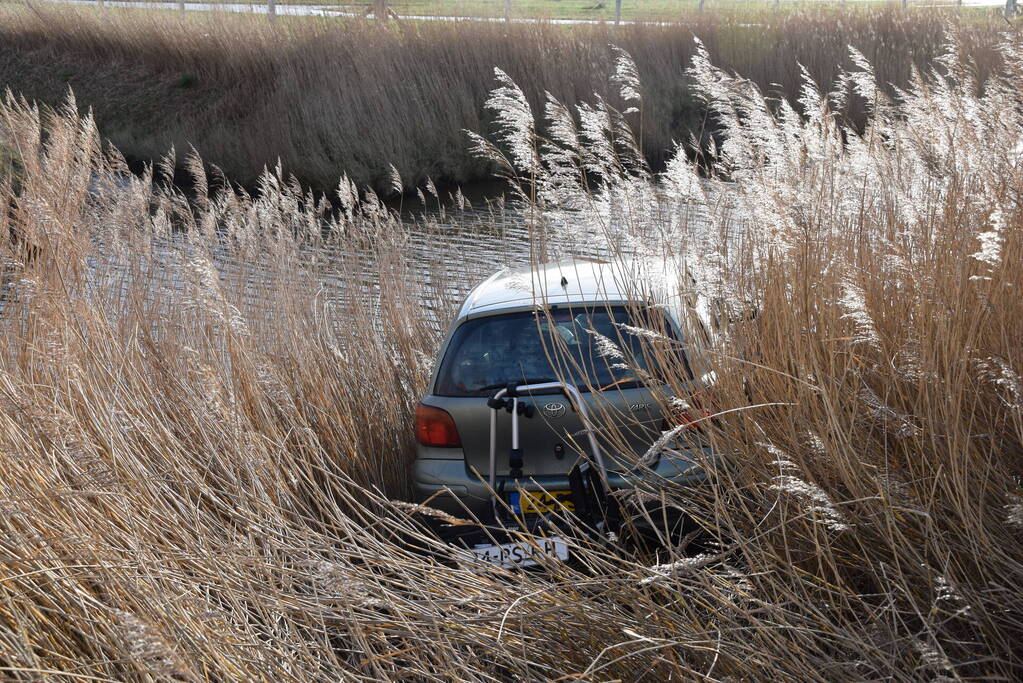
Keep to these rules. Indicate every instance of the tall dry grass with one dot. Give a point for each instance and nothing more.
(333, 96)
(204, 418)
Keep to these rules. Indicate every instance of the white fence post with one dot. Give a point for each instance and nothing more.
(271, 8)
(618, 12)
(507, 10)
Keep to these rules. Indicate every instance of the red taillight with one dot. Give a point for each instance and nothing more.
(690, 417)
(434, 427)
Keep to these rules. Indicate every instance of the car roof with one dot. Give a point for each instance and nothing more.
(571, 281)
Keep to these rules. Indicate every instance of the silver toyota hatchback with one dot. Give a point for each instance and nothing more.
(606, 333)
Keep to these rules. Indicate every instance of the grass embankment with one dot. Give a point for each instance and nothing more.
(330, 96)
(593, 10)
(192, 428)
(604, 10)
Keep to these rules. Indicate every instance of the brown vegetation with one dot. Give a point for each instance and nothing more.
(205, 403)
(328, 97)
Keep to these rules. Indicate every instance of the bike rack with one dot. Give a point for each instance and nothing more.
(508, 399)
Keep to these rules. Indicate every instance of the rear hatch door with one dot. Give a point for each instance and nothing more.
(603, 350)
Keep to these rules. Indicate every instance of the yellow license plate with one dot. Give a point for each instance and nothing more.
(541, 502)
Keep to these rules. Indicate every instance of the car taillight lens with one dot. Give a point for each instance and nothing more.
(434, 427)
(690, 417)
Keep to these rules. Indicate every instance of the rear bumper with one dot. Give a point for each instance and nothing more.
(453, 488)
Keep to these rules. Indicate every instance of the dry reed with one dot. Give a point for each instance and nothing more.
(328, 96)
(205, 401)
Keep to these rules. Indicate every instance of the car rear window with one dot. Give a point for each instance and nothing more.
(591, 347)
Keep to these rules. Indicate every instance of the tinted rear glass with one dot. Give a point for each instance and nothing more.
(598, 347)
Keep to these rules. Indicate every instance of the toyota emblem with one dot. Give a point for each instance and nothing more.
(554, 409)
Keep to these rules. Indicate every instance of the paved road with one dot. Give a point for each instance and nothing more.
(335, 11)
